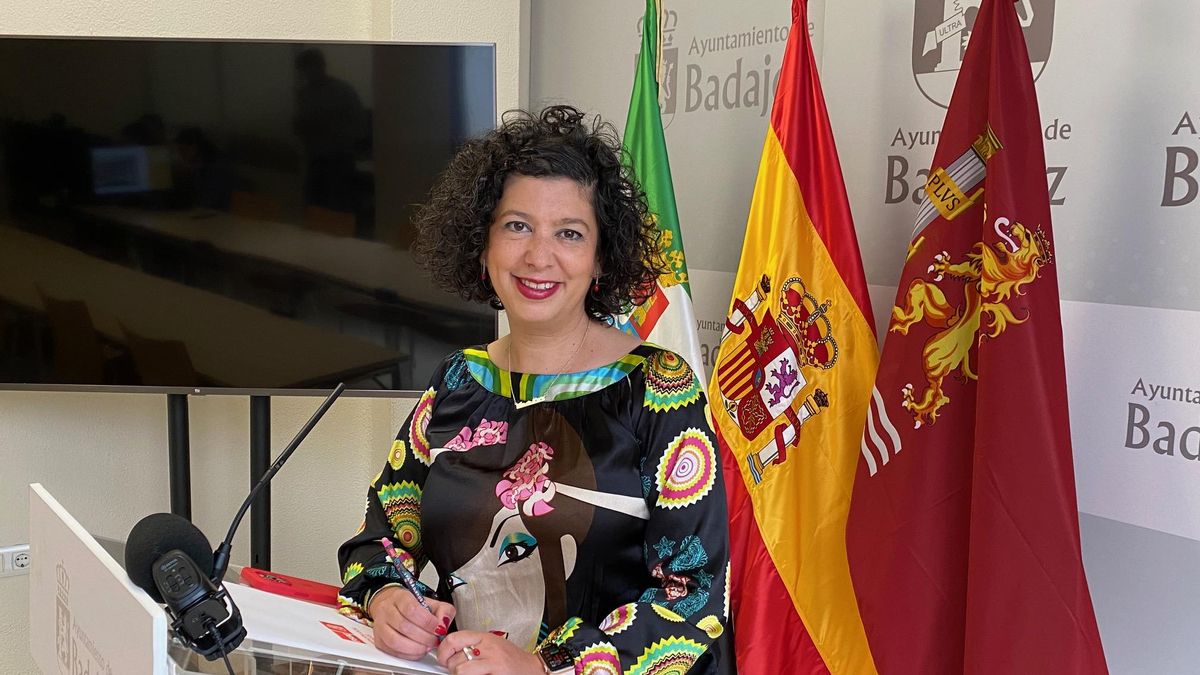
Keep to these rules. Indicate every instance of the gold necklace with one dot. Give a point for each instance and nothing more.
(512, 390)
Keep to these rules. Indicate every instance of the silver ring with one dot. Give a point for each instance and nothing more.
(467, 652)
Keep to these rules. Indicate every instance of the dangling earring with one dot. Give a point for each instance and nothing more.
(595, 285)
(494, 300)
(486, 282)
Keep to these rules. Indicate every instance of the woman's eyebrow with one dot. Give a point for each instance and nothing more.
(574, 221)
(512, 212)
(499, 525)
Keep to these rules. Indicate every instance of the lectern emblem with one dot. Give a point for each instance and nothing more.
(63, 644)
(942, 28)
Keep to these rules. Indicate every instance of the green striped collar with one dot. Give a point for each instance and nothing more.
(567, 385)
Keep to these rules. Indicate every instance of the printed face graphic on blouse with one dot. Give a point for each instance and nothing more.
(509, 567)
(521, 552)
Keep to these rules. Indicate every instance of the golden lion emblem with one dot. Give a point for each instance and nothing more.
(993, 275)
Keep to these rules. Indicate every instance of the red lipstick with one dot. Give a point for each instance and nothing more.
(536, 293)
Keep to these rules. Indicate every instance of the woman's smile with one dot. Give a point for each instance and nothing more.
(535, 289)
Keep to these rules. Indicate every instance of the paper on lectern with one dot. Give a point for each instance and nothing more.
(289, 622)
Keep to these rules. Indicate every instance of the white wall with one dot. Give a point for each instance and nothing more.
(104, 455)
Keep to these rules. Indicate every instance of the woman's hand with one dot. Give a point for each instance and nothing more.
(490, 654)
(403, 627)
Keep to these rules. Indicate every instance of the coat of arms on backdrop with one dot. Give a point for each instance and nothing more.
(942, 29)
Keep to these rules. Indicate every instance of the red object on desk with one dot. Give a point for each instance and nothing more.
(293, 587)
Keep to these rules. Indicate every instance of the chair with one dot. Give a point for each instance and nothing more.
(255, 206)
(78, 357)
(335, 223)
(161, 363)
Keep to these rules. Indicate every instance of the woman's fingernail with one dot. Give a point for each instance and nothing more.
(446, 621)
(440, 630)
(499, 633)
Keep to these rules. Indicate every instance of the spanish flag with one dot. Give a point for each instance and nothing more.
(790, 391)
(963, 534)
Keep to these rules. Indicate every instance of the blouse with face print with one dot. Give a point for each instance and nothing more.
(594, 520)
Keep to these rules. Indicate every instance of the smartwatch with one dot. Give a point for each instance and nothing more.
(557, 659)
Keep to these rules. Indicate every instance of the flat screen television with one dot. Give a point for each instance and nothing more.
(227, 215)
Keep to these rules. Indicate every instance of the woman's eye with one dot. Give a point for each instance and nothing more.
(517, 546)
(516, 226)
(571, 235)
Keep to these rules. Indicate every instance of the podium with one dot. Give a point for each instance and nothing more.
(87, 618)
(256, 658)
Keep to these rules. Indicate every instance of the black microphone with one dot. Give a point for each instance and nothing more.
(156, 535)
(169, 558)
(221, 555)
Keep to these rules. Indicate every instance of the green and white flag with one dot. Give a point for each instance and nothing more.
(666, 318)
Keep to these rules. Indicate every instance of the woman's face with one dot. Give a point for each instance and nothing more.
(541, 250)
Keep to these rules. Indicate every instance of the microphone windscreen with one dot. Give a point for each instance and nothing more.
(154, 536)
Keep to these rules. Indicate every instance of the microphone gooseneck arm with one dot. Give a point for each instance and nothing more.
(221, 555)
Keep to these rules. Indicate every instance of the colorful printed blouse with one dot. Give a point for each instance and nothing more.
(594, 519)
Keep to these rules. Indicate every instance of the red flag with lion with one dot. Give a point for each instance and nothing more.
(963, 533)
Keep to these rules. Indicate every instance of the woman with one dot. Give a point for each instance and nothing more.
(563, 479)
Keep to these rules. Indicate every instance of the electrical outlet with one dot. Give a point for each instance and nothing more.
(14, 560)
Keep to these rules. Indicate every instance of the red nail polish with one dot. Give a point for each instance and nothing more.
(499, 633)
(440, 630)
(446, 621)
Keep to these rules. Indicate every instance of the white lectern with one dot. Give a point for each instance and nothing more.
(87, 618)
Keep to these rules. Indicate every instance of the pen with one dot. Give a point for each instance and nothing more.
(406, 577)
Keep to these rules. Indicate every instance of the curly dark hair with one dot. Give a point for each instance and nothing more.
(453, 224)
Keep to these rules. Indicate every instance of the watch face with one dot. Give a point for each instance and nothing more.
(557, 658)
